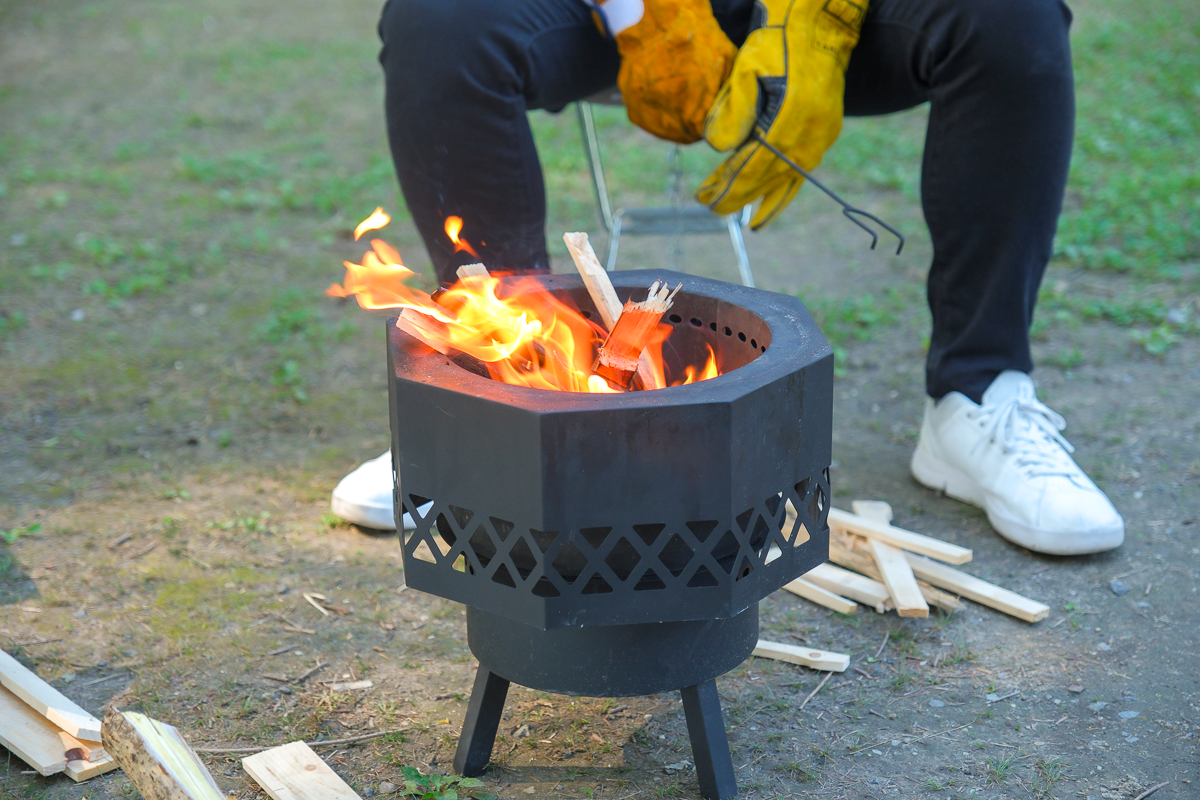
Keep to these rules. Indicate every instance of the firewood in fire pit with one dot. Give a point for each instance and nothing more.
(600, 287)
(620, 354)
(432, 333)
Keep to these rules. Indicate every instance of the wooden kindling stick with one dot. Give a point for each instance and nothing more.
(623, 355)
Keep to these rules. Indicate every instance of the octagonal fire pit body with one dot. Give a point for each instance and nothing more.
(612, 545)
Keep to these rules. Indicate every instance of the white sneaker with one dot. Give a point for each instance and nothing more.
(1008, 457)
(364, 497)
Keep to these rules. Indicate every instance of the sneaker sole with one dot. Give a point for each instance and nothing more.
(374, 517)
(935, 474)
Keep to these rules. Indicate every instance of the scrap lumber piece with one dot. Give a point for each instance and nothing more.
(295, 772)
(620, 356)
(46, 700)
(425, 329)
(29, 735)
(821, 596)
(601, 290)
(804, 656)
(80, 771)
(472, 271)
(898, 577)
(877, 510)
(157, 759)
(77, 750)
(851, 585)
(851, 552)
(898, 537)
(980, 591)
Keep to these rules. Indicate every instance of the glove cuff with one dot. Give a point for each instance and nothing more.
(616, 16)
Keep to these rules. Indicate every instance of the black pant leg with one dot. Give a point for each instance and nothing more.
(997, 75)
(460, 76)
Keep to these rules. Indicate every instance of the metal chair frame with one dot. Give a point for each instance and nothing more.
(672, 220)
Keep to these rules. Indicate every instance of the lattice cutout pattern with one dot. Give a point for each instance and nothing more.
(649, 557)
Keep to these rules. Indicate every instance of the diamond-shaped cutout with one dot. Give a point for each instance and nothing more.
(544, 588)
(462, 516)
(773, 502)
(482, 545)
(744, 568)
(649, 582)
(418, 501)
(569, 562)
(444, 530)
(759, 537)
(816, 504)
(801, 535)
(675, 555)
(623, 558)
(725, 552)
(743, 519)
(595, 536)
(503, 576)
(543, 538)
(502, 527)
(649, 533)
(703, 578)
(702, 528)
(523, 558)
(597, 585)
(802, 488)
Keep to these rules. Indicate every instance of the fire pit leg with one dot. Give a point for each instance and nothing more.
(710, 746)
(479, 727)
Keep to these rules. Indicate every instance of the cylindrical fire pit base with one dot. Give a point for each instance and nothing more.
(610, 661)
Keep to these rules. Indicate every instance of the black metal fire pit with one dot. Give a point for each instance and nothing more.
(615, 545)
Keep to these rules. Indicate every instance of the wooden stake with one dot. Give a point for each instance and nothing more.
(600, 287)
(295, 772)
(804, 656)
(157, 759)
(622, 352)
(852, 552)
(898, 537)
(898, 576)
(980, 591)
(46, 700)
(852, 585)
(822, 597)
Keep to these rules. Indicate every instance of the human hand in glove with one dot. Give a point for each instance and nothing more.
(786, 87)
(674, 58)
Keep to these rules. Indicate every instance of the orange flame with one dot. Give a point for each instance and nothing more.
(377, 220)
(454, 226)
(524, 334)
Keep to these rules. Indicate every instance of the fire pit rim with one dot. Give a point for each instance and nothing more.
(785, 317)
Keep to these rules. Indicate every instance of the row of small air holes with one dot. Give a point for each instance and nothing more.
(699, 323)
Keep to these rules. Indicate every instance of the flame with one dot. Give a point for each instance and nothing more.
(454, 226)
(525, 335)
(377, 220)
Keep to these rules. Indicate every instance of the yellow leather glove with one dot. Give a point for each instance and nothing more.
(787, 86)
(673, 62)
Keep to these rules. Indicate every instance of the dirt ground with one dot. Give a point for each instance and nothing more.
(165, 474)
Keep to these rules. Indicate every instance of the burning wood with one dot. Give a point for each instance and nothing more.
(620, 355)
(517, 331)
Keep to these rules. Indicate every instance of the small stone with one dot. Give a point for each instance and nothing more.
(283, 589)
(68, 677)
(522, 732)
(1103, 647)
(387, 787)
(937, 704)
(1131, 739)
(1129, 714)
(77, 315)
(1098, 706)
(80, 614)
(19, 239)
(992, 697)
(1075, 688)
(198, 309)
(1118, 588)
(895, 742)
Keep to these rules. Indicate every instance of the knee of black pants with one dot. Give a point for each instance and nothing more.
(1014, 39)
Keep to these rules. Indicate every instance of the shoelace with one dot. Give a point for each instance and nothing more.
(1029, 429)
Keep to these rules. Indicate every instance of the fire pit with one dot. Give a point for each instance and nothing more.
(618, 544)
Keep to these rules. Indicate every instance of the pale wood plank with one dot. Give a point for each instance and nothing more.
(80, 771)
(29, 735)
(898, 537)
(851, 552)
(820, 596)
(46, 700)
(877, 510)
(982, 592)
(472, 271)
(157, 759)
(295, 772)
(899, 579)
(851, 585)
(805, 656)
